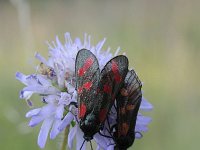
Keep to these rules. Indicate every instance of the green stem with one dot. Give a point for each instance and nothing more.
(65, 139)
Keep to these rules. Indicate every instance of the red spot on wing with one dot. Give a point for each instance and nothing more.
(118, 78)
(124, 129)
(81, 72)
(87, 85)
(80, 90)
(107, 88)
(88, 63)
(82, 111)
(130, 107)
(102, 114)
(115, 70)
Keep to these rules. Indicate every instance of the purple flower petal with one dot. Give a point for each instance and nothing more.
(80, 139)
(144, 120)
(54, 131)
(42, 137)
(100, 45)
(21, 77)
(145, 105)
(141, 128)
(41, 89)
(100, 141)
(25, 94)
(78, 42)
(110, 147)
(40, 58)
(59, 44)
(71, 135)
(138, 135)
(66, 121)
(35, 120)
(33, 112)
(48, 110)
(41, 79)
(59, 112)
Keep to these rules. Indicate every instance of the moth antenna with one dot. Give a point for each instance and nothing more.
(105, 135)
(82, 145)
(91, 145)
(109, 133)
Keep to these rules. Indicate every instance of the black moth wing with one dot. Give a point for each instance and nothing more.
(87, 78)
(128, 103)
(111, 80)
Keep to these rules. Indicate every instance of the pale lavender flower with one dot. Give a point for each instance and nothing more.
(54, 81)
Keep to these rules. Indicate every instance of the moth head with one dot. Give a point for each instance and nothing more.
(89, 126)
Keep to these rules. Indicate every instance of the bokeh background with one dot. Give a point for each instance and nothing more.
(160, 37)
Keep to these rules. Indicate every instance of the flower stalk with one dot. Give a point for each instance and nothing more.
(65, 138)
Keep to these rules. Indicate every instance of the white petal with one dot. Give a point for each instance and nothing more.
(145, 105)
(66, 121)
(41, 79)
(41, 89)
(71, 135)
(98, 147)
(138, 135)
(70, 88)
(65, 98)
(78, 42)
(42, 137)
(100, 45)
(141, 128)
(35, 120)
(50, 99)
(21, 77)
(33, 112)
(110, 147)
(117, 51)
(25, 94)
(54, 131)
(40, 58)
(80, 139)
(100, 140)
(59, 112)
(48, 110)
(143, 120)
(59, 44)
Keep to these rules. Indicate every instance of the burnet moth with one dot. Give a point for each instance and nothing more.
(97, 90)
(127, 105)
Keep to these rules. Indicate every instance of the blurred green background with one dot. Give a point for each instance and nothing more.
(161, 39)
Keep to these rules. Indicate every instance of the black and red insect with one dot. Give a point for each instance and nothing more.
(97, 90)
(127, 105)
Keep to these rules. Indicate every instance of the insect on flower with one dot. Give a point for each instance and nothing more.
(127, 105)
(77, 93)
(97, 90)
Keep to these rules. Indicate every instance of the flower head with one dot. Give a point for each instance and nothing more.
(55, 82)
